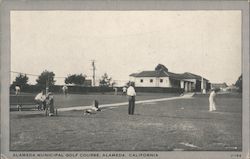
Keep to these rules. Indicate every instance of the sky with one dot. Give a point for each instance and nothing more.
(206, 43)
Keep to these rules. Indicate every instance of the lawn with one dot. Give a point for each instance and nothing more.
(182, 124)
(72, 100)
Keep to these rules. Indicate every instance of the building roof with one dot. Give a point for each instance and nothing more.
(133, 74)
(188, 75)
(175, 75)
(157, 74)
(154, 73)
(150, 74)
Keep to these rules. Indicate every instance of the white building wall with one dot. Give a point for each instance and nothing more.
(165, 82)
(156, 82)
(187, 84)
(146, 82)
(182, 84)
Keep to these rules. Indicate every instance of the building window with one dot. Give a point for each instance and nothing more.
(161, 80)
(141, 80)
(151, 80)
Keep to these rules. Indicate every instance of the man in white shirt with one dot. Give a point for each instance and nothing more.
(17, 89)
(131, 98)
(115, 91)
(124, 90)
(65, 90)
(40, 99)
(212, 104)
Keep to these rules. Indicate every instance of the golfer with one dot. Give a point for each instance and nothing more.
(124, 90)
(50, 103)
(40, 99)
(115, 91)
(17, 89)
(212, 105)
(131, 98)
(65, 90)
(93, 109)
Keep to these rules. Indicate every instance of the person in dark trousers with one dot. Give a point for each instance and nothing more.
(131, 98)
(50, 103)
(40, 100)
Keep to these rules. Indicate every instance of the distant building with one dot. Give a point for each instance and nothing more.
(231, 88)
(161, 77)
(88, 82)
(220, 86)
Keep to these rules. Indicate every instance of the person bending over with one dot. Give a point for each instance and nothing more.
(93, 109)
(40, 100)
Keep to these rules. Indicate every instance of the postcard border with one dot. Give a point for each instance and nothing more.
(7, 6)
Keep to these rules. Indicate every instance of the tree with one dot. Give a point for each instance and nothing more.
(75, 79)
(21, 80)
(113, 83)
(238, 83)
(46, 79)
(130, 83)
(161, 67)
(105, 81)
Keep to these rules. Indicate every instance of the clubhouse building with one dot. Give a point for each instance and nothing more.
(161, 77)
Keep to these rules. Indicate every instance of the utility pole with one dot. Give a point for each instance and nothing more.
(93, 68)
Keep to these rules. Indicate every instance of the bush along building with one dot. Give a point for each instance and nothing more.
(161, 77)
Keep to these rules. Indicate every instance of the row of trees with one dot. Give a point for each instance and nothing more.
(47, 78)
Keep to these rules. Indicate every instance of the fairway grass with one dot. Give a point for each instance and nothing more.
(183, 124)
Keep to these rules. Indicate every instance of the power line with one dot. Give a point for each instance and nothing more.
(36, 75)
(56, 77)
(30, 74)
(24, 73)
